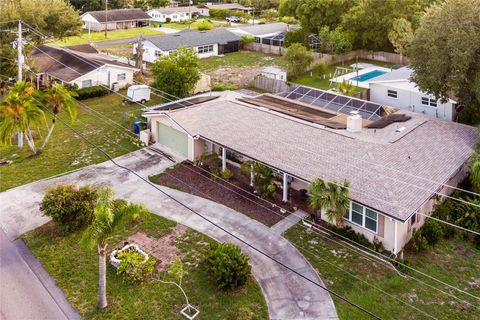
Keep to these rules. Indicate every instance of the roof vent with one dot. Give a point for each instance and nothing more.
(354, 122)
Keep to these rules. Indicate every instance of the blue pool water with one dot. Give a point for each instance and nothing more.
(369, 75)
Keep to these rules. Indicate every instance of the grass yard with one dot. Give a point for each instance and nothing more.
(75, 270)
(453, 261)
(322, 80)
(65, 151)
(100, 36)
(241, 59)
(194, 25)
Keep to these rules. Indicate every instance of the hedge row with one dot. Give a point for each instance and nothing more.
(92, 92)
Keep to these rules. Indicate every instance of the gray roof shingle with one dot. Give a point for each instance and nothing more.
(119, 15)
(395, 177)
(193, 38)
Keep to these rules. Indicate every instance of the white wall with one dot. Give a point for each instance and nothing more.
(162, 17)
(410, 100)
(100, 76)
(150, 49)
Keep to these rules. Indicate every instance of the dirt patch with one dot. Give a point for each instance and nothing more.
(162, 249)
(191, 179)
(465, 252)
(240, 77)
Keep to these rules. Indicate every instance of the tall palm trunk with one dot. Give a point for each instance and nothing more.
(49, 133)
(102, 276)
(30, 142)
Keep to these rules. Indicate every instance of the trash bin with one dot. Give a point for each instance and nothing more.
(136, 127)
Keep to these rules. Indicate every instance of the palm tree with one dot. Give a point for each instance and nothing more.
(331, 197)
(346, 88)
(58, 97)
(107, 218)
(18, 111)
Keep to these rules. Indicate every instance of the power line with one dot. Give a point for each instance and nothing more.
(213, 223)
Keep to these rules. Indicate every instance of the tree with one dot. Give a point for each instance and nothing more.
(288, 8)
(314, 14)
(177, 73)
(346, 88)
(58, 98)
(18, 112)
(270, 15)
(56, 18)
(444, 54)
(297, 36)
(108, 218)
(334, 41)
(372, 20)
(401, 35)
(298, 59)
(333, 198)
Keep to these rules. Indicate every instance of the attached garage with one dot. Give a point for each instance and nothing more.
(173, 139)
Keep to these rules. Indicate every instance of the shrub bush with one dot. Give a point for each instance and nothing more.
(168, 19)
(418, 242)
(432, 231)
(348, 232)
(70, 207)
(210, 162)
(204, 25)
(132, 267)
(92, 92)
(228, 265)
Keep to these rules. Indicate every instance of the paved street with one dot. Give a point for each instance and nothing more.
(288, 296)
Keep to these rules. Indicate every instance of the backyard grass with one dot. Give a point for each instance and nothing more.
(194, 25)
(75, 270)
(453, 261)
(65, 151)
(100, 36)
(319, 80)
(241, 59)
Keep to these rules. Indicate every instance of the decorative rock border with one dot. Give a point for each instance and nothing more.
(115, 262)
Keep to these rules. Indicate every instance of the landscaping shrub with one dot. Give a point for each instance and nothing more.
(247, 39)
(204, 25)
(228, 265)
(226, 174)
(70, 207)
(432, 231)
(168, 19)
(92, 92)
(210, 162)
(402, 265)
(132, 267)
(418, 242)
(348, 232)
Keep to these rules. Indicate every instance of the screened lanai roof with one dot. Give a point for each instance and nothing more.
(339, 103)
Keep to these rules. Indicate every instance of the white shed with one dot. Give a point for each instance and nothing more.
(274, 73)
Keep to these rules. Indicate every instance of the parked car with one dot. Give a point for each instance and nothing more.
(138, 93)
(234, 19)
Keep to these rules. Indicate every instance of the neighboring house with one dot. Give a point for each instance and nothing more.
(264, 33)
(81, 65)
(206, 43)
(114, 19)
(274, 73)
(396, 89)
(395, 164)
(205, 8)
(173, 13)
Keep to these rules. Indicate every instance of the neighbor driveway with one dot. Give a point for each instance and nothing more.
(288, 296)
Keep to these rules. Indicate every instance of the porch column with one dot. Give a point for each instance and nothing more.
(224, 158)
(395, 237)
(252, 178)
(285, 187)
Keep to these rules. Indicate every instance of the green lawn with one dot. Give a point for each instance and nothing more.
(241, 59)
(194, 25)
(100, 36)
(454, 261)
(75, 270)
(65, 151)
(322, 80)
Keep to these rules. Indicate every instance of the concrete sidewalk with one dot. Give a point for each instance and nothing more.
(288, 296)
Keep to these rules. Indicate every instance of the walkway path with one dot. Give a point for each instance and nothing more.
(288, 296)
(288, 222)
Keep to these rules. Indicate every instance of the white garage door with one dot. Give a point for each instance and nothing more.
(173, 139)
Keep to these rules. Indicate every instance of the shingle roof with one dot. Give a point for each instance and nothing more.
(119, 15)
(170, 10)
(227, 6)
(193, 38)
(68, 65)
(431, 149)
(267, 28)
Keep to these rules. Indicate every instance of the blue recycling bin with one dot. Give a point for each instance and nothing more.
(136, 127)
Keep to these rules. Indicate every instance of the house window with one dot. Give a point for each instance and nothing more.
(392, 93)
(158, 53)
(429, 102)
(205, 49)
(433, 103)
(86, 83)
(425, 101)
(121, 76)
(362, 216)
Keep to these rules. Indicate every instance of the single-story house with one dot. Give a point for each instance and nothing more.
(173, 13)
(207, 43)
(205, 8)
(81, 65)
(398, 90)
(114, 19)
(263, 31)
(396, 164)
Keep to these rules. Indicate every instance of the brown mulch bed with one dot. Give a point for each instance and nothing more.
(188, 178)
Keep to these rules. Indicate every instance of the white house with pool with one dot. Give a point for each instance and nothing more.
(359, 74)
(396, 89)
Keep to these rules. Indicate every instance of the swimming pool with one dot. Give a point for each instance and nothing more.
(367, 76)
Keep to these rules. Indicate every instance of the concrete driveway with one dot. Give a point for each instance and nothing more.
(288, 296)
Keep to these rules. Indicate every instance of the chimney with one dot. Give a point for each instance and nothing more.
(354, 122)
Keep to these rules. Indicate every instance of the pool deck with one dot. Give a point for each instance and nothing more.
(363, 84)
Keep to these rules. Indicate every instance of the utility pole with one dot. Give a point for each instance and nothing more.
(106, 18)
(19, 74)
